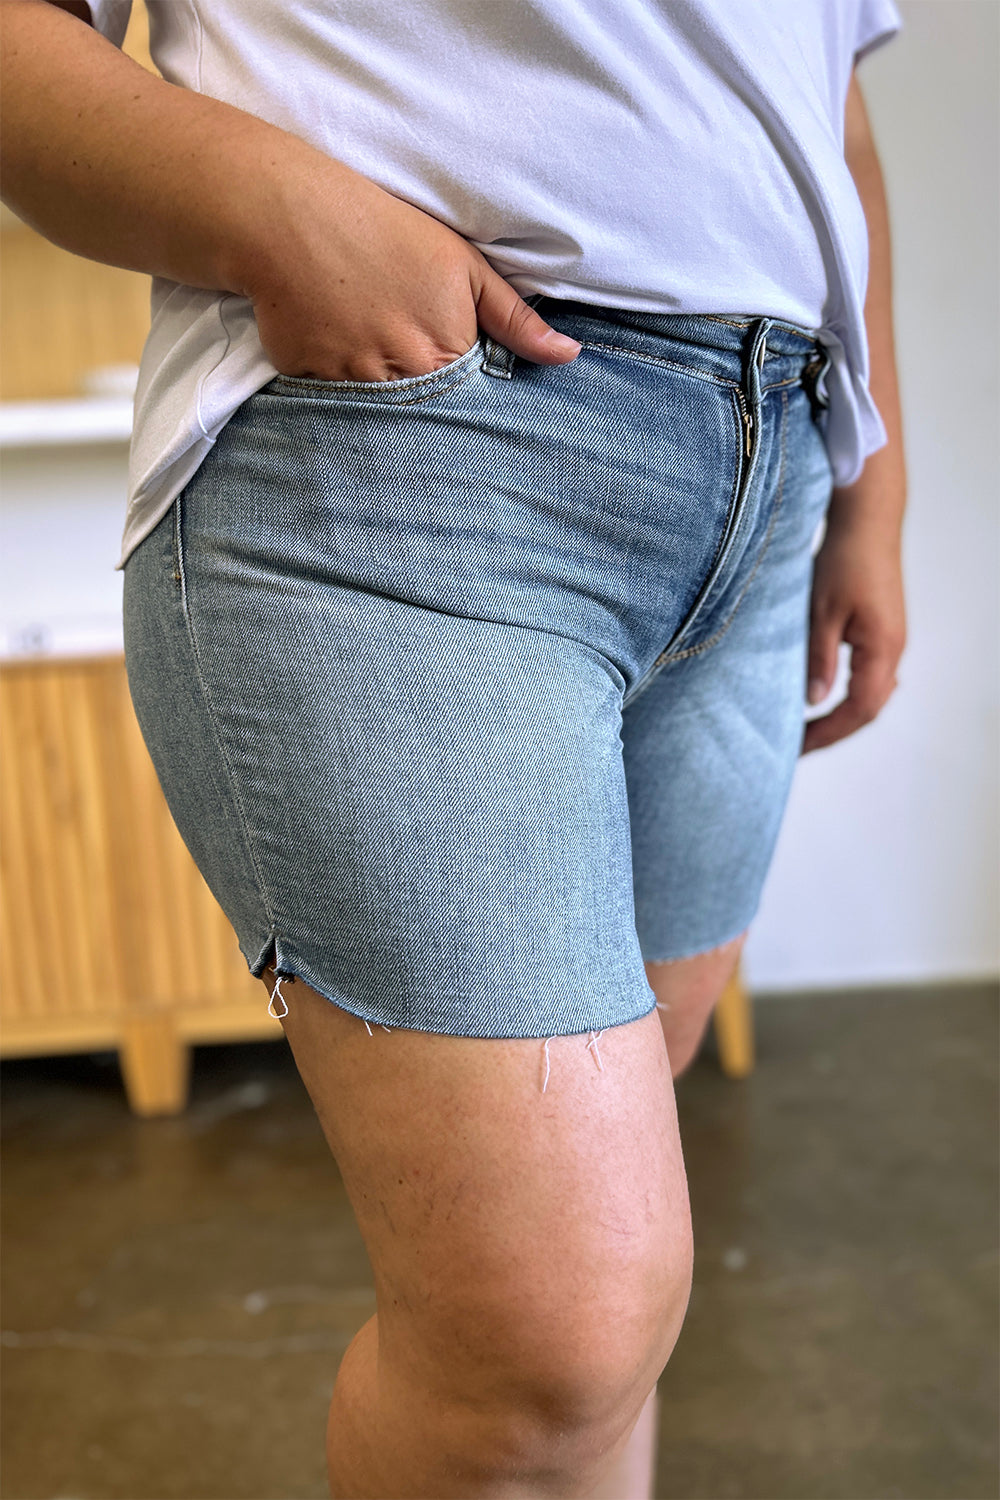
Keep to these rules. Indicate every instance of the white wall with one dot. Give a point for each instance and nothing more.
(886, 869)
(887, 864)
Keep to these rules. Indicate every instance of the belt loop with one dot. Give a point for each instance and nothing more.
(755, 360)
(758, 347)
(813, 375)
(497, 359)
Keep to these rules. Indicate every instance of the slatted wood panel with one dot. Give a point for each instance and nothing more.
(110, 934)
(62, 315)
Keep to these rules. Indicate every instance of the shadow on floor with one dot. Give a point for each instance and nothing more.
(177, 1293)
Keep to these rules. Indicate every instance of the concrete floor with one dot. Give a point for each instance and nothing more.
(177, 1292)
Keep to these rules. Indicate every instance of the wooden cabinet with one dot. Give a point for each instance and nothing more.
(63, 315)
(111, 937)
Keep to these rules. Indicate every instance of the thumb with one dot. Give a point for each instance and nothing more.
(507, 317)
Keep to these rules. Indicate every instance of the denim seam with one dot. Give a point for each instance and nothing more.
(378, 388)
(668, 364)
(700, 374)
(175, 545)
(661, 661)
(712, 640)
(729, 322)
(698, 952)
(730, 520)
(802, 333)
(224, 758)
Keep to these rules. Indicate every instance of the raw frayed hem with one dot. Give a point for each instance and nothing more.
(271, 957)
(700, 952)
(594, 1037)
(284, 976)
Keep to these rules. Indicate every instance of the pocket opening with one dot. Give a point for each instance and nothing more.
(406, 387)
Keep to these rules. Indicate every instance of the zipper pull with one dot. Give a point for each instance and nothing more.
(747, 416)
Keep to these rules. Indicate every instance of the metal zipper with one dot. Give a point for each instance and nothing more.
(747, 414)
(747, 418)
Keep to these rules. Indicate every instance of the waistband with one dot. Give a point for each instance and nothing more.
(729, 340)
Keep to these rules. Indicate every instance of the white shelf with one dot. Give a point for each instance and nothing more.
(97, 635)
(47, 424)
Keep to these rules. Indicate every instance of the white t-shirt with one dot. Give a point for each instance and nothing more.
(669, 155)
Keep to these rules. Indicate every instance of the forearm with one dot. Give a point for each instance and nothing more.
(115, 164)
(879, 494)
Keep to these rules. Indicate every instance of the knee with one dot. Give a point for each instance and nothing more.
(601, 1364)
(563, 1384)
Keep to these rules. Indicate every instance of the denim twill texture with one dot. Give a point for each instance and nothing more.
(472, 690)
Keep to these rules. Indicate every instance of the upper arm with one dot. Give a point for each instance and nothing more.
(109, 18)
(858, 139)
(78, 8)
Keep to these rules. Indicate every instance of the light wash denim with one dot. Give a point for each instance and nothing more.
(470, 691)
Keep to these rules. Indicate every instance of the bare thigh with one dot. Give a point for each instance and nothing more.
(495, 1214)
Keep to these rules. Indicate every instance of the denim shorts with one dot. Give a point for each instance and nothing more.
(471, 691)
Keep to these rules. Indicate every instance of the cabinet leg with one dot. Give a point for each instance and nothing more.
(734, 1028)
(155, 1064)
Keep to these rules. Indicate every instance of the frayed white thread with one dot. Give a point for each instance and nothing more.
(384, 1027)
(663, 1004)
(548, 1064)
(595, 1037)
(278, 1014)
(368, 1028)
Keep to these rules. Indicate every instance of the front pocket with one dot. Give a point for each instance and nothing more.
(409, 388)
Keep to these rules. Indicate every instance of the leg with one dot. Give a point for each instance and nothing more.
(711, 742)
(634, 1472)
(686, 991)
(532, 1266)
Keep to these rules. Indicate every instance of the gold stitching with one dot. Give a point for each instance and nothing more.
(376, 387)
(667, 364)
(695, 370)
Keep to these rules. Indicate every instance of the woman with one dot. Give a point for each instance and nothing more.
(505, 360)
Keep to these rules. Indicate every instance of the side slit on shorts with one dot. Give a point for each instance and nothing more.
(472, 691)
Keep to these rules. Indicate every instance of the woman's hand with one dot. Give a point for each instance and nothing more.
(348, 282)
(857, 597)
(857, 589)
(353, 283)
